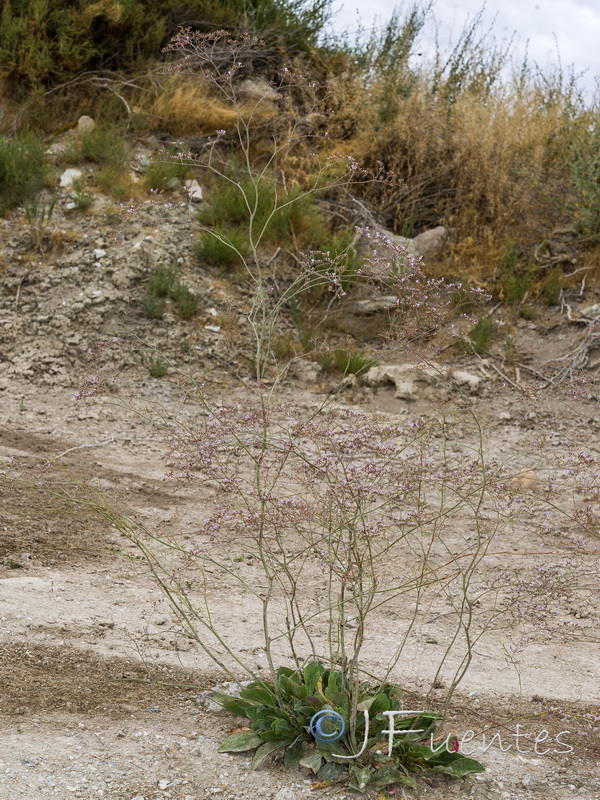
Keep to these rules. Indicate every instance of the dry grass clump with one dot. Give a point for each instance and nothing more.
(494, 155)
(487, 169)
(185, 106)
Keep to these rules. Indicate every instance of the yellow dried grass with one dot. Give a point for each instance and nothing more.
(188, 106)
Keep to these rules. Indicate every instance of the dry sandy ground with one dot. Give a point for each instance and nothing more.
(102, 697)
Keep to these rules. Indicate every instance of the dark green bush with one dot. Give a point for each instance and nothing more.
(46, 43)
(23, 169)
(233, 205)
(101, 146)
(152, 307)
(223, 246)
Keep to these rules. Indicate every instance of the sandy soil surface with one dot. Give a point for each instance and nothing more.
(103, 697)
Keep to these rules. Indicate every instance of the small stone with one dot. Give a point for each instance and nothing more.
(194, 191)
(504, 416)
(162, 784)
(285, 794)
(68, 177)
(592, 311)
(85, 124)
(99, 253)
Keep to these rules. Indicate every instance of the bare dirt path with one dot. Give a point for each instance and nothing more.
(101, 697)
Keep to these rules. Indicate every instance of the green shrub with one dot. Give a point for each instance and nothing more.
(23, 169)
(152, 307)
(159, 175)
(112, 181)
(552, 287)
(514, 280)
(338, 253)
(220, 247)
(163, 284)
(481, 335)
(157, 367)
(100, 146)
(234, 204)
(44, 43)
(185, 300)
(348, 362)
(527, 312)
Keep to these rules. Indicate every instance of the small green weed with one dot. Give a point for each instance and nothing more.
(23, 169)
(108, 149)
(161, 175)
(112, 181)
(514, 281)
(527, 312)
(113, 218)
(223, 246)
(481, 335)
(100, 146)
(348, 362)
(185, 300)
(552, 287)
(163, 284)
(283, 348)
(82, 198)
(39, 215)
(153, 307)
(157, 367)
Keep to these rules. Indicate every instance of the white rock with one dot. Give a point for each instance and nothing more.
(592, 311)
(374, 304)
(162, 784)
(414, 381)
(68, 177)
(285, 794)
(194, 191)
(430, 243)
(85, 124)
(99, 253)
(213, 328)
